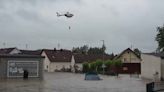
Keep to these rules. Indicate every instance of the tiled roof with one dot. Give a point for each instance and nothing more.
(20, 56)
(58, 55)
(31, 52)
(66, 55)
(6, 50)
(5, 53)
(81, 58)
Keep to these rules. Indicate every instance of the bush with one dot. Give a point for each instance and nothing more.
(85, 67)
(96, 66)
(92, 66)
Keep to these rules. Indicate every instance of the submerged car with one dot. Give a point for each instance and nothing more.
(92, 76)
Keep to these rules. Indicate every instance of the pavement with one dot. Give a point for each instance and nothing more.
(69, 82)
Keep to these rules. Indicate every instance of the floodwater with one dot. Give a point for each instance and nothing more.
(68, 82)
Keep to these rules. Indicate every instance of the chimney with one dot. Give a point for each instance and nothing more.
(61, 49)
(54, 49)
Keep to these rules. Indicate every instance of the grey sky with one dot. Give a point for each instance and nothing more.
(121, 23)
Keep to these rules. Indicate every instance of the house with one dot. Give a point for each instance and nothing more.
(13, 63)
(9, 50)
(152, 66)
(79, 59)
(56, 60)
(131, 62)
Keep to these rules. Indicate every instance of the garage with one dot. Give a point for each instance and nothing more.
(130, 68)
(14, 66)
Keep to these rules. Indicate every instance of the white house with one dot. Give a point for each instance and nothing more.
(56, 60)
(152, 66)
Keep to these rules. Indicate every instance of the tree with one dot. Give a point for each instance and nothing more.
(95, 50)
(103, 48)
(160, 38)
(83, 49)
(137, 51)
(85, 67)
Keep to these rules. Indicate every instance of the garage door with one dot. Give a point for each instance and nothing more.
(16, 68)
(130, 68)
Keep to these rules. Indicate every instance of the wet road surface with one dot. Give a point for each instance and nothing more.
(68, 82)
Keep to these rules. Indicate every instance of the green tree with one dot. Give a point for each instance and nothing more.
(99, 63)
(160, 38)
(85, 67)
(137, 51)
(83, 49)
(103, 48)
(95, 50)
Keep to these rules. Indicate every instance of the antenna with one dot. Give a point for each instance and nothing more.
(26, 46)
(58, 46)
(131, 47)
(4, 45)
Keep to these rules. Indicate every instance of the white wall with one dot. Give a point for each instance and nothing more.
(46, 62)
(15, 51)
(80, 66)
(162, 69)
(58, 66)
(129, 57)
(150, 65)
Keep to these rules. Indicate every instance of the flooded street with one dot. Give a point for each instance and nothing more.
(68, 82)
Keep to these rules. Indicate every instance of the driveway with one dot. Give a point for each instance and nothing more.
(68, 82)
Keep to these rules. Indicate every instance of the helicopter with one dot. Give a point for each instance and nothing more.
(68, 15)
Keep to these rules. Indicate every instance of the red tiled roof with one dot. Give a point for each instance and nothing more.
(58, 55)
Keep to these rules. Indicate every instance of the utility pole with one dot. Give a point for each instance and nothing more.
(103, 66)
(130, 58)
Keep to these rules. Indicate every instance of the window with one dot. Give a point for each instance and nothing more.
(125, 59)
(125, 68)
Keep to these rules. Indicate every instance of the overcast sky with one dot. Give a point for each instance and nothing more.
(121, 23)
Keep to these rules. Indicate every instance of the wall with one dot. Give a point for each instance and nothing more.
(130, 57)
(3, 69)
(80, 65)
(150, 65)
(4, 62)
(162, 69)
(58, 66)
(46, 62)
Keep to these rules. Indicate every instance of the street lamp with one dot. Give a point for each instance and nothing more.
(103, 65)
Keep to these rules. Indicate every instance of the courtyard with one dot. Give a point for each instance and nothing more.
(68, 82)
